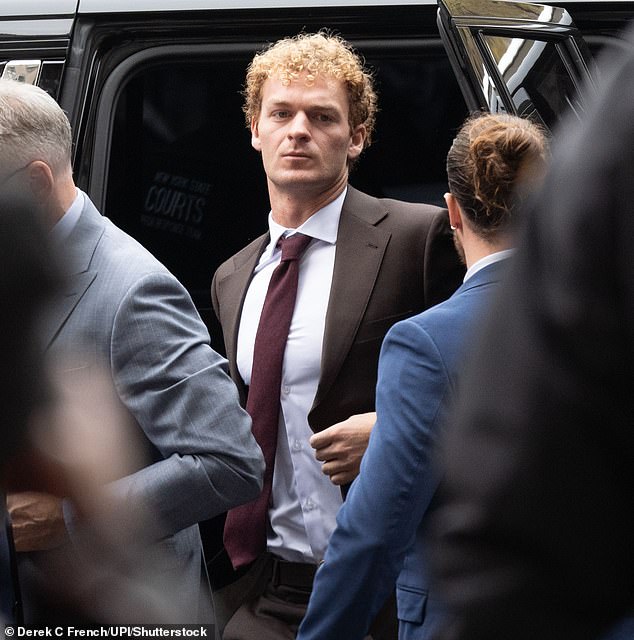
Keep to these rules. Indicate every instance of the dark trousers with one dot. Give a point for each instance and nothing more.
(275, 602)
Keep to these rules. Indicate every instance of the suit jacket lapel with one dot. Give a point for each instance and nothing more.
(232, 291)
(78, 250)
(360, 249)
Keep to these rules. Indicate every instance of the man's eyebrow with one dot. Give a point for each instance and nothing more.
(327, 107)
(278, 103)
(311, 107)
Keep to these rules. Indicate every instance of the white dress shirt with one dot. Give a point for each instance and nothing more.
(304, 503)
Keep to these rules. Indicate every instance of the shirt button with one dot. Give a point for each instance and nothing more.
(286, 390)
(310, 505)
(297, 445)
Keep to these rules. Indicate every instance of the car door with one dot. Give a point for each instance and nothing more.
(34, 40)
(521, 58)
(155, 99)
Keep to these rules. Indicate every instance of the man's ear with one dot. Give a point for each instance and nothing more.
(40, 179)
(255, 135)
(357, 142)
(455, 212)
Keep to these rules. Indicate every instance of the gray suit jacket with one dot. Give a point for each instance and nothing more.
(125, 311)
(393, 260)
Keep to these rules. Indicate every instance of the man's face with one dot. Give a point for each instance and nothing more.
(304, 135)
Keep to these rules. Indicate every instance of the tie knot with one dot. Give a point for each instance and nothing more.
(293, 246)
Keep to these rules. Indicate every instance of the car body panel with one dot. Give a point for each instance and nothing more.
(133, 75)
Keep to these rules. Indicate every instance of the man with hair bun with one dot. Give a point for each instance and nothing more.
(534, 538)
(310, 106)
(379, 541)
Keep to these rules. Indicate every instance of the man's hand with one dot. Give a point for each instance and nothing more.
(38, 520)
(342, 446)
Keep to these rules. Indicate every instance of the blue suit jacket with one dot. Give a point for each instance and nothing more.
(379, 534)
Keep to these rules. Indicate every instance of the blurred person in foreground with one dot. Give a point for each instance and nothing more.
(65, 440)
(27, 280)
(534, 539)
(379, 536)
(366, 262)
(124, 311)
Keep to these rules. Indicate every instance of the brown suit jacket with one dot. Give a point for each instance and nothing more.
(393, 260)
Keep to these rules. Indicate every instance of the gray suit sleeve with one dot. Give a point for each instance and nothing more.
(178, 390)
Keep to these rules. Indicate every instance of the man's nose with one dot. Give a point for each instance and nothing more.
(299, 126)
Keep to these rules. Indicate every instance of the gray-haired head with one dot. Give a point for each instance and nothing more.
(32, 127)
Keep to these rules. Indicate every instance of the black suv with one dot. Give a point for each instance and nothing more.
(152, 88)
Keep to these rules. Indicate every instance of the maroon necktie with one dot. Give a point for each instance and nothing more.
(245, 527)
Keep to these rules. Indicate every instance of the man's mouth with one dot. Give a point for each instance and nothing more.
(296, 154)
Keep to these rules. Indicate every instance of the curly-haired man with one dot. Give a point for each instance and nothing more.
(310, 106)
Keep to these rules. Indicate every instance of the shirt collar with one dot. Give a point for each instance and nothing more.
(322, 225)
(64, 226)
(486, 261)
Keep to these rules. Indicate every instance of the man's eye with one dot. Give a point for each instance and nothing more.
(324, 117)
(280, 115)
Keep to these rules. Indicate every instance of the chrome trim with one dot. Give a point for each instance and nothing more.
(27, 71)
(488, 12)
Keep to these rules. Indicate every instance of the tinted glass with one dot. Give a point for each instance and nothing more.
(535, 76)
(184, 180)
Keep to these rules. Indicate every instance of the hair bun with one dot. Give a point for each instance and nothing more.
(483, 166)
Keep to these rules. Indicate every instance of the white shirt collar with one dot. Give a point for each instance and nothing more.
(64, 226)
(486, 261)
(322, 225)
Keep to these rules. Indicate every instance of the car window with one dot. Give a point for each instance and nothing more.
(182, 176)
(183, 179)
(539, 84)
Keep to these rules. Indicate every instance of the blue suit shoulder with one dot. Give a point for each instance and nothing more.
(459, 308)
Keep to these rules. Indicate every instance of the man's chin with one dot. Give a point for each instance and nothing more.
(297, 179)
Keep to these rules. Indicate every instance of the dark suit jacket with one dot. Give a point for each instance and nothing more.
(537, 536)
(379, 539)
(393, 260)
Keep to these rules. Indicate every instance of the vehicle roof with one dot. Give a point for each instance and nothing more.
(93, 6)
(98, 6)
(50, 8)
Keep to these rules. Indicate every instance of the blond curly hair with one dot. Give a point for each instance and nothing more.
(315, 54)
